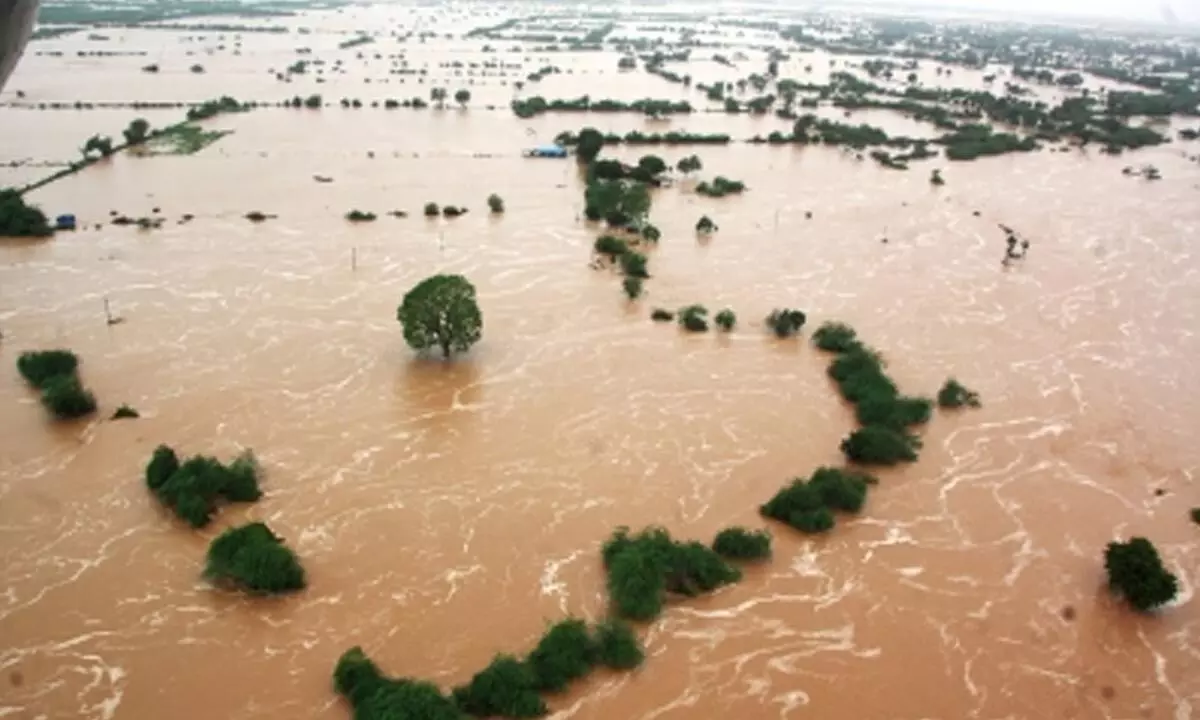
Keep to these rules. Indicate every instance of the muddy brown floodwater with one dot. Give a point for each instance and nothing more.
(446, 512)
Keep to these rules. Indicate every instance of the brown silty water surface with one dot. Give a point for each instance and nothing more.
(446, 512)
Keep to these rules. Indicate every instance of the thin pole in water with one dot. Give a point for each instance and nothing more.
(107, 312)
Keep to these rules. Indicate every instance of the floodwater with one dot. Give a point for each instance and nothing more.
(446, 512)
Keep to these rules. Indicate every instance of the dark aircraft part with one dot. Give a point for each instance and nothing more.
(16, 24)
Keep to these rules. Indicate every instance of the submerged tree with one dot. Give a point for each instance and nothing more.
(462, 97)
(495, 203)
(632, 286)
(100, 143)
(705, 225)
(955, 395)
(785, 323)
(137, 132)
(254, 558)
(1136, 571)
(438, 95)
(725, 319)
(441, 311)
(689, 165)
(18, 219)
(588, 145)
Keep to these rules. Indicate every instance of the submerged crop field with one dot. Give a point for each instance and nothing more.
(396, 360)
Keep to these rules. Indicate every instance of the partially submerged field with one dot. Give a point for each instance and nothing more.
(445, 512)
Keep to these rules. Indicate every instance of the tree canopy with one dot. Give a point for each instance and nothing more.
(588, 144)
(20, 220)
(441, 311)
(1136, 571)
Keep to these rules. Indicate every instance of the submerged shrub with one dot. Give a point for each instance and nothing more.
(616, 645)
(661, 315)
(954, 395)
(839, 489)
(880, 445)
(564, 653)
(452, 212)
(504, 688)
(1136, 571)
(896, 412)
(66, 399)
(360, 216)
(193, 488)
(375, 697)
(611, 245)
(859, 375)
(432, 209)
(785, 323)
(163, 464)
(808, 505)
(495, 203)
(255, 559)
(632, 287)
(643, 567)
(738, 543)
(836, 337)
(651, 233)
(725, 319)
(633, 264)
(39, 366)
(706, 225)
(720, 187)
(694, 318)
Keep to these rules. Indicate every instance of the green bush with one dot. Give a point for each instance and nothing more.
(125, 412)
(693, 318)
(66, 399)
(859, 375)
(565, 653)
(738, 543)
(807, 505)
(642, 567)
(812, 522)
(720, 187)
(1136, 571)
(785, 323)
(612, 246)
(432, 209)
(726, 319)
(163, 464)
(632, 287)
(255, 559)
(661, 315)
(633, 264)
(651, 233)
(504, 688)
(954, 395)
(706, 225)
(617, 646)
(193, 488)
(879, 445)
(842, 490)
(20, 220)
(39, 366)
(896, 412)
(375, 697)
(360, 216)
(451, 211)
(836, 337)
(495, 203)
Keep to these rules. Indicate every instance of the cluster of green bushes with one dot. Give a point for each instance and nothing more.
(635, 137)
(786, 322)
(255, 559)
(508, 687)
(536, 105)
(645, 567)
(56, 374)
(193, 488)
(971, 141)
(808, 505)
(886, 416)
(720, 187)
(1136, 571)
(649, 170)
(955, 395)
(17, 219)
(738, 543)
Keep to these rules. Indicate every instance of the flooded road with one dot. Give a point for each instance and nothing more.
(446, 512)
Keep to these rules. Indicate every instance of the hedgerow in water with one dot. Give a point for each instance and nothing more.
(565, 653)
(955, 395)
(617, 646)
(1136, 571)
(808, 505)
(642, 567)
(896, 412)
(375, 697)
(836, 337)
(255, 559)
(193, 488)
(738, 543)
(505, 688)
(880, 445)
